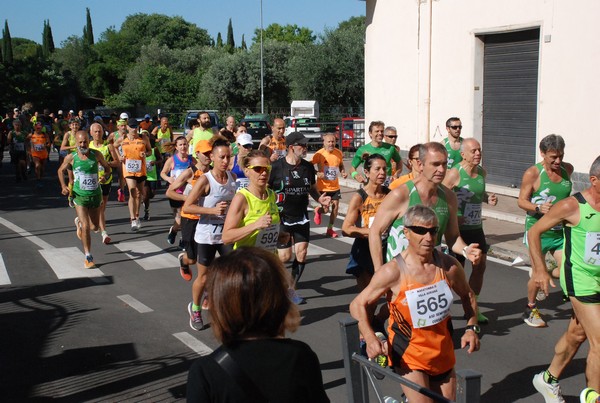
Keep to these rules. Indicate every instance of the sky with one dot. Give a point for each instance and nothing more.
(67, 17)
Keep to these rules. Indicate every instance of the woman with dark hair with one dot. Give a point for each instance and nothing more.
(255, 363)
(412, 165)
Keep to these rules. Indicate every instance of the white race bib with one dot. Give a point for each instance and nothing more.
(241, 183)
(216, 234)
(267, 237)
(149, 166)
(592, 248)
(430, 304)
(472, 214)
(88, 181)
(38, 147)
(331, 173)
(133, 166)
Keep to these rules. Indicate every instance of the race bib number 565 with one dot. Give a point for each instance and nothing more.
(430, 304)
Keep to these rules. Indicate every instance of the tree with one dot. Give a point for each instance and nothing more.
(88, 32)
(47, 40)
(7, 51)
(243, 46)
(219, 40)
(286, 33)
(230, 41)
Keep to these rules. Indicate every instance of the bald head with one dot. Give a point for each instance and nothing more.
(278, 127)
(469, 143)
(470, 149)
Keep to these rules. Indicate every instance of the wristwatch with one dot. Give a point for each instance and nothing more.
(474, 328)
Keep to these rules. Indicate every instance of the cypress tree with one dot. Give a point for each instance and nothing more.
(243, 47)
(219, 40)
(230, 40)
(88, 32)
(7, 51)
(47, 40)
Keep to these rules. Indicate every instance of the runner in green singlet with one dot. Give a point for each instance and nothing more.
(153, 160)
(579, 280)
(425, 190)
(542, 186)
(467, 180)
(453, 141)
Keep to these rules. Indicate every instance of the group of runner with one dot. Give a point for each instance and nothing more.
(225, 195)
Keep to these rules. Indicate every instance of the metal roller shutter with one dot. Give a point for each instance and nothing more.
(510, 85)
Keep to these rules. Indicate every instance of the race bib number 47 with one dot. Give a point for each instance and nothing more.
(430, 304)
(592, 248)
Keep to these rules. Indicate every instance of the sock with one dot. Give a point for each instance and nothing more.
(329, 226)
(297, 270)
(196, 307)
(549, 378)
(531, 305)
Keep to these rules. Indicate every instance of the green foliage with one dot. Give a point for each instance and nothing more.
(243, 45)
(285, 33)
(7, 50)
(219, 40)
(88, 32)
(230, 46)
(47, 40)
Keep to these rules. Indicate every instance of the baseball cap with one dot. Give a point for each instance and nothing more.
(202, 146)
(147, 116)
(124, 116)
(71, 111)
(244, 139)
(60, 112)
(121, 122)
(16, 110)
(133, 123)
(295, 138)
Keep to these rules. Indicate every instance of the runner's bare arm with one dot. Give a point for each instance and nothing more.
(391, 208)
(349, 227)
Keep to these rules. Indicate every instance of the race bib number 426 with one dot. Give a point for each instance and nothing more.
(430, 304)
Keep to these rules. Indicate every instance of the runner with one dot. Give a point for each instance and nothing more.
(253, 217)
(467, 180)
(133, 159)
(293, 179)
(329, 163)
(111, 156)
(209, 198)
(425, 190)
(153, 160)
(86, 190)
(420, 332)
(244, 146)
(542, 186)
(116, 138)
(274, 145)
(40, 143)
(16, 143)
(579, 280)
(453, 141)
(412, 165)
(361, 211)
(173, 167)
(388, 151)
(187, 179)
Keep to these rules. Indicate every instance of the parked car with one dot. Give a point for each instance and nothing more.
(257, 126)
(192, 114)
(353, 132)
(306, 125)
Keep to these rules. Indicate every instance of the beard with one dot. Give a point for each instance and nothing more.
(206, 125)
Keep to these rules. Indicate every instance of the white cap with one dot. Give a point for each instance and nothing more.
(244, 139)
(60, 112)
(124, 116)
(71, 111)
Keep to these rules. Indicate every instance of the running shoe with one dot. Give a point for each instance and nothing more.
(89, 262)
(589, 395)
(533, 318)
(78, 226)
(295, 298)
(105, 238)
(138, 222)
(172, 236)
(331, 233)
(541, 295)
(146, 215)
(120, 196)
(184, 269)
(550, 391)
(134, 225)
(196, 322)
(317, 218)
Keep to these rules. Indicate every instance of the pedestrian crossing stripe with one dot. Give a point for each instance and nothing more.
(323, 230)
(314, 250)
(193, 343)
(68, 263)
(4, 279)
(148, 255)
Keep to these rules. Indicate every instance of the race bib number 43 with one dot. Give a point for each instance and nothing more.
(430, 304)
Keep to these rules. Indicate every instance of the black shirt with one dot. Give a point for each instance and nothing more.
(292, 185)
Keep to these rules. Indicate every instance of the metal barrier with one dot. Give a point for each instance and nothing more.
(360, 373)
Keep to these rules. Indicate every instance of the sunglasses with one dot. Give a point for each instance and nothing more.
(417, 229)
(300, 145)
(259, 169)
(391, 137)
(455, 127)
(247, 146)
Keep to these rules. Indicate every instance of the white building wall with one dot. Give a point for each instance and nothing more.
(396, 71)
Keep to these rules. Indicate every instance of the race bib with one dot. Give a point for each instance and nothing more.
(331, 173)
(149, 166)
(430, 304)
(38, 147)
(472, 214)
(19, 147)
(133, 165)
(267, 237)
(280, 153)
(388, 180)
(241, 183)
(592, 248)
(88, 181)
(216, 234)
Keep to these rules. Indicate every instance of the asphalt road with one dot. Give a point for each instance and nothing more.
(121, 333)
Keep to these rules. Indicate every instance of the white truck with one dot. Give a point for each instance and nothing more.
(304, 109)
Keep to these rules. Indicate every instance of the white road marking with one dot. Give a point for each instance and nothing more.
(148, 255)
(68, 263)
(4, 279)
(193, 343)
(314, 250)
(134, 303)
(322, 230)
(505, 263)
(25, 234)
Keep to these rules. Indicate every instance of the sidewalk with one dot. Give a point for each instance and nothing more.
(504, 224)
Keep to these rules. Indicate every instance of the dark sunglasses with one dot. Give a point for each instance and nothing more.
(417, 229)
(391, 137)
(259, 169)
(456, 127)
(247, 146)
